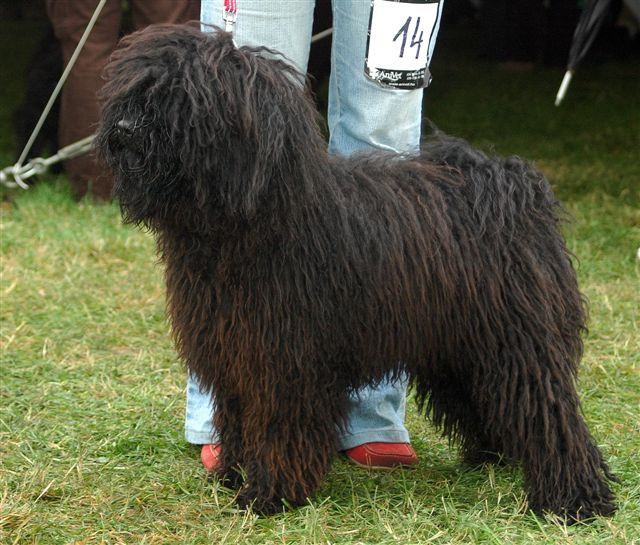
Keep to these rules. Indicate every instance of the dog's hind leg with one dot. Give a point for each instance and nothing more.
(530, 406)
(514, 398)
(512, 336)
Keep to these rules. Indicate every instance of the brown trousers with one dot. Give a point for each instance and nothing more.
(79, 107)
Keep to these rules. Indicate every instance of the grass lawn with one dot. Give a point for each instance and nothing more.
(92, 396)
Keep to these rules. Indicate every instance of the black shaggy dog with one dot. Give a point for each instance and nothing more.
(294, 277)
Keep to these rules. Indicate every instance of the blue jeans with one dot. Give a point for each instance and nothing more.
(361, 116)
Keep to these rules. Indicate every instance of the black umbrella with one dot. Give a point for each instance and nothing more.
(593, 15)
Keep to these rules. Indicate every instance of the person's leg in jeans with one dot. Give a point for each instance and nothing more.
(360, 118)
(364, 116)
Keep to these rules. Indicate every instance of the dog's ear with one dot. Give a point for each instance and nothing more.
(258, 122)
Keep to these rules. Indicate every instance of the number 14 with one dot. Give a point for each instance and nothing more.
(404, 31)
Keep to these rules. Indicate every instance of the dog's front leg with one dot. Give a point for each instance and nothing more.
(228, 422)
(289, 440)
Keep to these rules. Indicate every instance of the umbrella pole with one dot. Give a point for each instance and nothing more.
(563, 86)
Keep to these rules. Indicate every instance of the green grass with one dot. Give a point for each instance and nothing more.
(92, 397)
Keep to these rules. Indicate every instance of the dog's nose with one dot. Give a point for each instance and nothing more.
(125, 126)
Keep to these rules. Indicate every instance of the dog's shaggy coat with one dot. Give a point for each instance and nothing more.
(294, 277)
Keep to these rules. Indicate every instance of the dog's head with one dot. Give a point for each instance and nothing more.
(190, 122)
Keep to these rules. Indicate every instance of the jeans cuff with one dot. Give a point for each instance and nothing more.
(201, 437)
(351, 440)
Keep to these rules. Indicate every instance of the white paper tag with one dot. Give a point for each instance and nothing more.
(398, 45)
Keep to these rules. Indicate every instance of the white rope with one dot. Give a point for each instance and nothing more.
(566, 80)
(317, 37)
(15, 175)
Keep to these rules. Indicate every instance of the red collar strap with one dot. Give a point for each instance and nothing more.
(229, 14)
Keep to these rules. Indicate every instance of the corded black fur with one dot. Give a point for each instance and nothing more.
(294, 277)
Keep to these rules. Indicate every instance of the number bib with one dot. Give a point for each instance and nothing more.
(399, 41)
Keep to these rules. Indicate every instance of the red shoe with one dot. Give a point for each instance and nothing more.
(210, 457)
(383, 455)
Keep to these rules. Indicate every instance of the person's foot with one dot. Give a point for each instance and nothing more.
(210, 456)
(368, 455)
(383, 455)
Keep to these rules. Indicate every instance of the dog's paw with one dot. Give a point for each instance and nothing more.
(581, 510)
(478, 457)
(261, 506)
(230, 478)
